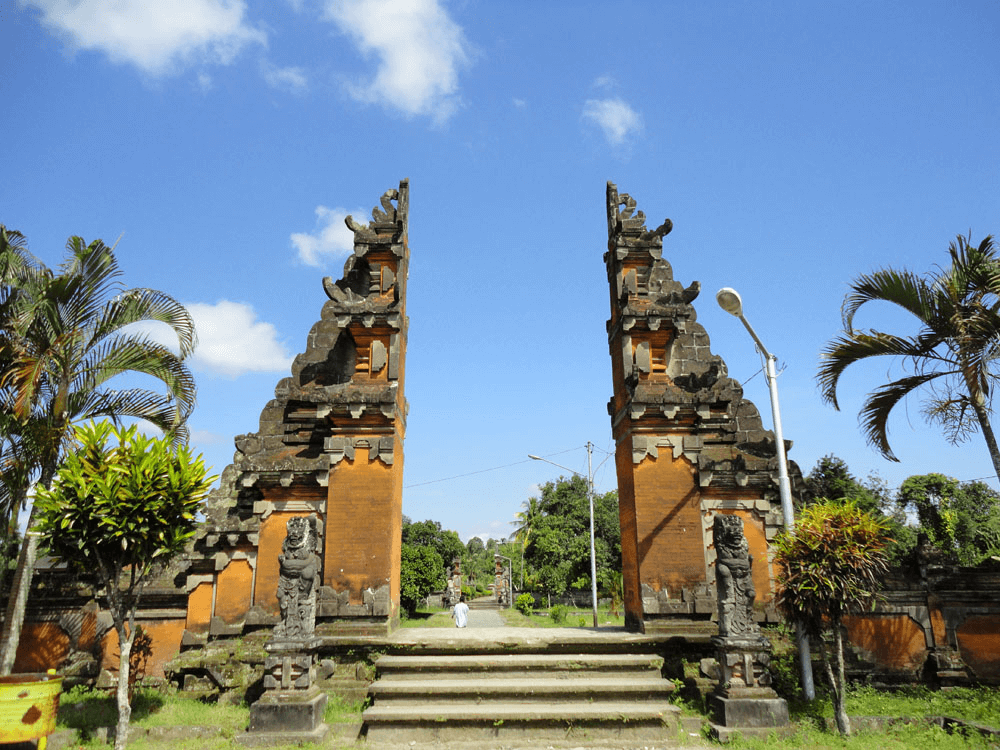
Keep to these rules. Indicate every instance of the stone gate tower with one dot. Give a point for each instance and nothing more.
(688, 445)
(330, 445)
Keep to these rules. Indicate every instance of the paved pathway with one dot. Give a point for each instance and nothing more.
(485, 618)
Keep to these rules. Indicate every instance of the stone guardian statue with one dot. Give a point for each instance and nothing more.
(734, 578)
(299, 568)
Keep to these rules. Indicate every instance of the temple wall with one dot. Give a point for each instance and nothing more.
(939, 624)
(43, 646)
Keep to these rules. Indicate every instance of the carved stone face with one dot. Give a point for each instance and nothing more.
(298, 532)
(727, 532)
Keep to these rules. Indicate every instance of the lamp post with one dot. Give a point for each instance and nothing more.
(730, 301)
(590, 498)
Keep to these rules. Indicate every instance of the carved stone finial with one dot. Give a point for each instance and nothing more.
(381, 218)
(299, 569)
(733, 578)
(623, 218)
(389, 212)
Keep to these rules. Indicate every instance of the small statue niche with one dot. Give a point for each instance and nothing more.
(734, 578)
(299, 569)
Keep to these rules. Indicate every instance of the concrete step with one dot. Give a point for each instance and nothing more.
(543, 689)
(484, 604)
(520, 697)
(444, 666)
(518, 721)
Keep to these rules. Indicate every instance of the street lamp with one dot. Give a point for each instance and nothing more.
(590, 498)
(730, 301)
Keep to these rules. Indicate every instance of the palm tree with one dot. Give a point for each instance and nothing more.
(953, 353)
(525, 520)
(63, 337)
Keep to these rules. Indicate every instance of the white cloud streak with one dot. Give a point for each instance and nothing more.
(614, 117)
(419, 50)
(156, 36)
(232, 342)
(288, 79)
(331, 239)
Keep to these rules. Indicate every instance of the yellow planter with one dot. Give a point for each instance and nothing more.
(28, 706)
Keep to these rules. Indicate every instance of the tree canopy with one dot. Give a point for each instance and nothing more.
(64, 337)
(831, 479)
(828, 566)
(557, 549)
(421, 573)
(952, 357)
(960, 519)
(429, 533)
(121, 506)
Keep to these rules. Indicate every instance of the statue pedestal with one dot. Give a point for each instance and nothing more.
(291, 708)
(744, 701)
(287, 717)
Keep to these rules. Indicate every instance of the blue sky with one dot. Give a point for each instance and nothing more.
(794, 146)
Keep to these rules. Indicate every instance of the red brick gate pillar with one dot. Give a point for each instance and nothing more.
(688, 445)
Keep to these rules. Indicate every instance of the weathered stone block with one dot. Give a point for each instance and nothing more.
(749, 712)
(288, 713)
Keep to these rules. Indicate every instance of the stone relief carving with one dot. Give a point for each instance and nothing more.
(733, 579)
(299, 568)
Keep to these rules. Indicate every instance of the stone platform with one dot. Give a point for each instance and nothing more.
(606, 639)
(525, 685)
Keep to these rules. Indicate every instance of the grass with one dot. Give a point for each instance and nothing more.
(897, 737)
(574, 618)
(973, 704)
(980, 705)
(428, 618)
(87, 711)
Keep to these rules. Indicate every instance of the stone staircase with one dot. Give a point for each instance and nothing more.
(484, 603)
(520, 696)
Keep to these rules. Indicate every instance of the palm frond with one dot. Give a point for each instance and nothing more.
(148, 305)
(136, 353)
(855, 346)
(874, 416)
(954, 414)
(902, 288)
(132, 403)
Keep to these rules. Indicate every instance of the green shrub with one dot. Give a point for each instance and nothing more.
(558, 613)
(525, 603)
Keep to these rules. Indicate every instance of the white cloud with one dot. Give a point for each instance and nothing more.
(290, 79)
(332, 238)
(231, 341)
(616, 118)
(519, 103)
(419, 50)
(207, 437)
(204, 82)
(605, 82)
(154, 35)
